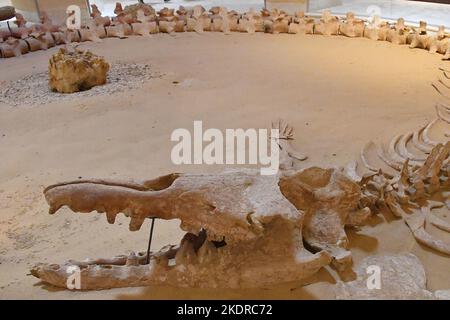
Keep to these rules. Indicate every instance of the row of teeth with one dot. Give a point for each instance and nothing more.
(137, 219)
(185, 254)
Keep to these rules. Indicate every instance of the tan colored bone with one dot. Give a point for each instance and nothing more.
(7, 12)
(167, 26)
(11, 48)
(419, 38)
(328, 25)
(329, 199)
(399, 33)
(352, 27)
(302, 24)
(372, 30)
(98, 18)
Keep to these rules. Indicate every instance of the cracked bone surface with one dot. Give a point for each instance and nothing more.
(73, 71)
(243, 229)
(402, 276)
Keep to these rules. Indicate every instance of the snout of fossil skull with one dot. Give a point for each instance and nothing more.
(138, 203)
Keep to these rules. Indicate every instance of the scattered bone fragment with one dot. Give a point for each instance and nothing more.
(402, 278)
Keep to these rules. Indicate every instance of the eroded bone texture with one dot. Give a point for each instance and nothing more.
(238, 216)
(73, 71)
(402, 277)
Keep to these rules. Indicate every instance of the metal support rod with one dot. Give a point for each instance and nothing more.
(38, 10)
(150, 241)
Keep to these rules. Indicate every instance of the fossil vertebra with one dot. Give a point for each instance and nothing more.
(141, 19)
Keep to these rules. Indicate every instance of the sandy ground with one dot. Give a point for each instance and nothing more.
(336, 92)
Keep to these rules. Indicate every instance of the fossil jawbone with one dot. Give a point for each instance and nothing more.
(277, 256)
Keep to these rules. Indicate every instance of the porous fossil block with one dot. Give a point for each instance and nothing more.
(73, 71)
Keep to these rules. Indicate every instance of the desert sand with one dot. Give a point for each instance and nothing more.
(337, 93)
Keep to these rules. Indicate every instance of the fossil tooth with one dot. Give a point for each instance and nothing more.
(111, 216)
(132, 259)
(136, 223)
(185, 254)
(53, 209)
(207, 252)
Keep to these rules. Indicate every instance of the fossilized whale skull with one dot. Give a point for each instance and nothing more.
(243, 229)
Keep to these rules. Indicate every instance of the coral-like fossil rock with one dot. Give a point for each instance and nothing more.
(73, 71)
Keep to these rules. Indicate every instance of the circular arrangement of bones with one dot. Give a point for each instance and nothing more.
(244, 229)
(142, 20)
